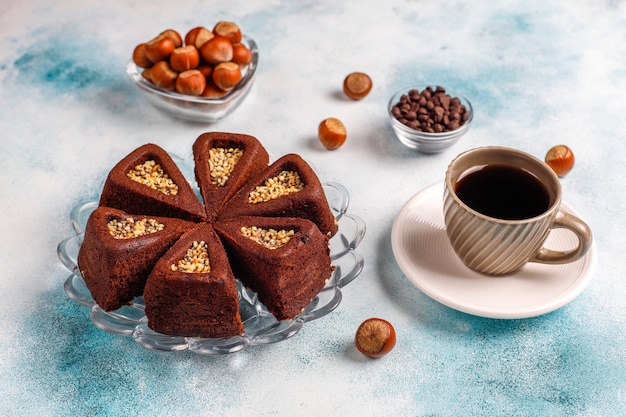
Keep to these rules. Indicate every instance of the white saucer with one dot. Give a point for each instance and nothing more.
(424, 254)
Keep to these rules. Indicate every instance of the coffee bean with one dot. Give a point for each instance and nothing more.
(430, 110)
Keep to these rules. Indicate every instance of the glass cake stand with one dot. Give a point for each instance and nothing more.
(260, 326)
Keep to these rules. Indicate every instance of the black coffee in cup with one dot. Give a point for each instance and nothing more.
(504, 192)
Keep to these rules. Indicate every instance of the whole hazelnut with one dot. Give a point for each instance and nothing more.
(174, 36)
(162, 75)
(212, 91)
(198, 36)
(228, 30)
(241, 54)
(226, 75)
(332, 133)
(159, 48)
(184, 58)
(357, 85)
(140, 58)
(217, 49)
(561, 159)
(190, 82)
(375, 337)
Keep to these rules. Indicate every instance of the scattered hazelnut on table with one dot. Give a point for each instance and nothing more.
(375, 337)
(357, 85)
(561, 159)
(332, 133)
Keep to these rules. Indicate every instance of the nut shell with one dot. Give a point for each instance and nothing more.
(229, 30)
(162, 75)
(226, 75)
(241, 54)
(217, 50)
(375, 337)
(332, 133)
(185, 58)
(140, 58)
(159, 48)
(191, 82)
(198, 36)
(357, 85)
(561, 159)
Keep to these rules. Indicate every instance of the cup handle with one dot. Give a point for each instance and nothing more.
(582, 231)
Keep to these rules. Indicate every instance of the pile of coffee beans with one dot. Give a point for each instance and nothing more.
(430, 110)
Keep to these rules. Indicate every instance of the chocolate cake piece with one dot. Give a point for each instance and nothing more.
(191, 291)
(287, 188)
(285, 260)
(147, 181)
(224, 162)
(119, 251)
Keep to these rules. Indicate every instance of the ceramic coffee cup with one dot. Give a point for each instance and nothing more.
(499, 207)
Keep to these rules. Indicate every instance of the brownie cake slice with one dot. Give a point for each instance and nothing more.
(285, 260)
(147, 181)
(224, 162)
(287, 188)
(192, 291)
(119, 251)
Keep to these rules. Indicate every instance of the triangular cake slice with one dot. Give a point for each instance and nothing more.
(287, 188)
(191, 291)
(119, 251)
(147, 181)
(224, 162)
(285, 261)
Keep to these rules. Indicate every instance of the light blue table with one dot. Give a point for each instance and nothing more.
(537, 72)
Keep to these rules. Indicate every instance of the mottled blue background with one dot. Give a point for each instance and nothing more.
(537, 72)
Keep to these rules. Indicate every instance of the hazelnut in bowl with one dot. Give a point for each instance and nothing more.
(429, 119)
(206, 92)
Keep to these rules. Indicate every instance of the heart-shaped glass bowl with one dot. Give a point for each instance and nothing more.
(192, 108)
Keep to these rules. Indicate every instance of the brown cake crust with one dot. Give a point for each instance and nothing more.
(254, 159)
(115, 270)
(286, 279)
(309, 203)
(193, 304)
(125, 194)
(206, 305)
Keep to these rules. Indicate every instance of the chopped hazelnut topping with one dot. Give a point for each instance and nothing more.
(222, 162)
(129, 228)
(196, 259)
(151, 174)
(285, 183)
(270, 238)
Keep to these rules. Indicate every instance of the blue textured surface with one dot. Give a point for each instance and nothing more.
(537, 72)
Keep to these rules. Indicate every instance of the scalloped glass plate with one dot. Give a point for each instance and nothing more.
(260, 326)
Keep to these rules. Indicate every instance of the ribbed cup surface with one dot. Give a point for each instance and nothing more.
(492, 247)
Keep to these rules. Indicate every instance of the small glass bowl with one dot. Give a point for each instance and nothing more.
(197, 109)
(424, 141)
